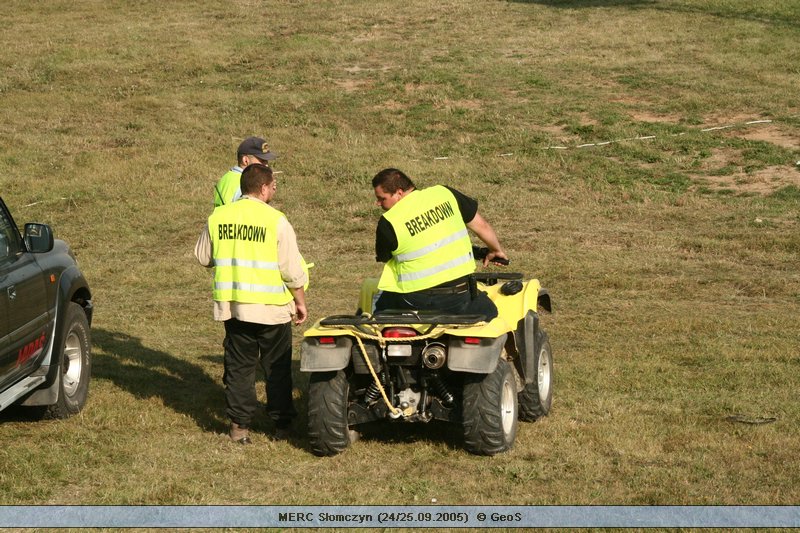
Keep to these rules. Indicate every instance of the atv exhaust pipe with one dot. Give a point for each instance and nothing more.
(434, 356)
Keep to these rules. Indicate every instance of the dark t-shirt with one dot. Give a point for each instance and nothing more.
(386, 238)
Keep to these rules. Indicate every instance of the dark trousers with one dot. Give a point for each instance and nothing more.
(458, 304)
(247, 345)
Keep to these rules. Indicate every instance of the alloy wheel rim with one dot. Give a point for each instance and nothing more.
(507, 407)
(543, 375)
(73, 363)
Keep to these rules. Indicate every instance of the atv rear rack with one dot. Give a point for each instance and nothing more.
(390, 317)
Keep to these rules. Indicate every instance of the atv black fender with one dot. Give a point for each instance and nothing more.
(526, 331)
(525, 339)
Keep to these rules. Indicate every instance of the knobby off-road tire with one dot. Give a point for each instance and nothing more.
(75, 364)
(490, 410)
(537, 397)
(328, 431)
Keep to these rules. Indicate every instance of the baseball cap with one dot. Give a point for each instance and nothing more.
(256, 146)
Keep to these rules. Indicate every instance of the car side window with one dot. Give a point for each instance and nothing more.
(10, 244)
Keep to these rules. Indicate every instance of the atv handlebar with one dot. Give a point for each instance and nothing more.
(480, 253)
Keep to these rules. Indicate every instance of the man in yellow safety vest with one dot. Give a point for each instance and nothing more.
(251, 151)
(423, 239)
(258, 291)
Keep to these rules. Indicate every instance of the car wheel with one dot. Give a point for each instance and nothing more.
(75, 364)
(537, 397)
(328, 431)
(490, 410)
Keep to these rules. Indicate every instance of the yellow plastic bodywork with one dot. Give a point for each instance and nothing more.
(511, 309)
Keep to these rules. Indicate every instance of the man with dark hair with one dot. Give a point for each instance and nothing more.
(252, 150)
(258, 290)
(422, 237)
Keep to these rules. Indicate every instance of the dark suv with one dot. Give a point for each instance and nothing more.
(45, 314)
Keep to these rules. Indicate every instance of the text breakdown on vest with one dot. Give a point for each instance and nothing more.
(429, 218)
(242, 232)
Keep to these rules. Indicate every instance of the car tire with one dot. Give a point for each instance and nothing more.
(490, 410)
(74, 364)
(536, 398)
(328, 431)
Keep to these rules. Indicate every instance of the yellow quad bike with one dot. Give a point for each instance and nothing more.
(416, 366)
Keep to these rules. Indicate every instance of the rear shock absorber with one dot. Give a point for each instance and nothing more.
(373, 392)
(440, 389)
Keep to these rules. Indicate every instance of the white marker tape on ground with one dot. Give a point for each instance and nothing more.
(647, 137)
(639, 138)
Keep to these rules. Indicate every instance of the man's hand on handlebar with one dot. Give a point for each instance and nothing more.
(487, 256)
(496, 258)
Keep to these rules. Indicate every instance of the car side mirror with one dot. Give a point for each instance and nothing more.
(38, 238)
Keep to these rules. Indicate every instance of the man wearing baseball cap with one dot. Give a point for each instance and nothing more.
(251, 150)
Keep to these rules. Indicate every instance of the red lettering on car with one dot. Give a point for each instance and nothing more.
(31, 349)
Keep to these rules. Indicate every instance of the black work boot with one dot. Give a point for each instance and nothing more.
(283, 429)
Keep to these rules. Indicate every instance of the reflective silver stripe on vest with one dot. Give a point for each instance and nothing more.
(460, 234)
(411, 276)
(245, 263)
(248, 287)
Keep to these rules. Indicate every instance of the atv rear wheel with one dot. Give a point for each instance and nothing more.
(490, 410)
(328, 430)
(537, 397)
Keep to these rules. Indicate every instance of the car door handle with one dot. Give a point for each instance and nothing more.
(12, 292)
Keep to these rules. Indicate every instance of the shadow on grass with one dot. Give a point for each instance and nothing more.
(147, 373)
(183, 386)
(395, 432)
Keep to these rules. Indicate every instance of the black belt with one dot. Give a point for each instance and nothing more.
(453, 289)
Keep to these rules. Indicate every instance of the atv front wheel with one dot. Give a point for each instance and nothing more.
(490, 410)
(537, 397)
(328, 431)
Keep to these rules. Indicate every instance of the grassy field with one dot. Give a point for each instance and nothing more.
(641, 158)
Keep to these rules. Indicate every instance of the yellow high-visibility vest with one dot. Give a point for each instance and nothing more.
(245, 252)
(433, 245)
(227, 187)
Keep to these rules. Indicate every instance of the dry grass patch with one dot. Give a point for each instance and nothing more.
(761, 182)
(775, 134)
(657, 118)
